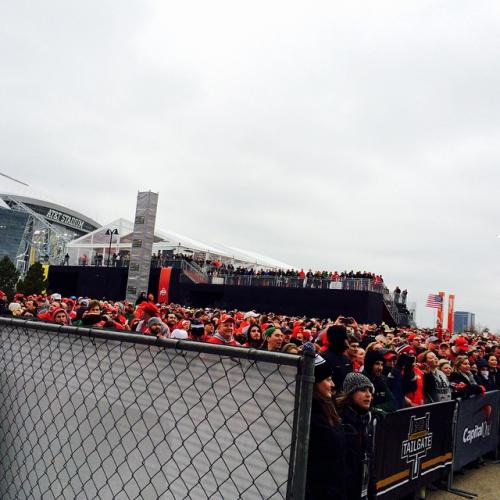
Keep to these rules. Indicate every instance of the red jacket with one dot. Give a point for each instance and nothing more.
(417, 397)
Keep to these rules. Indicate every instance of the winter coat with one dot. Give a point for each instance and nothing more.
(340, 364)
(402, 380)
(490, 383)
(463, 386)
(495, 375)
(326, 466)
(383, 399)
(359, 455)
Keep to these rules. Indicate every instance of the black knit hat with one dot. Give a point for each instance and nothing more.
(322, 369)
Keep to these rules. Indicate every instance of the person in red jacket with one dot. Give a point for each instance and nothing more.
(417, 398)
(224, 334)
(147, 310)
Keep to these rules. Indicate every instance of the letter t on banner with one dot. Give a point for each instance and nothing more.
(451, 306)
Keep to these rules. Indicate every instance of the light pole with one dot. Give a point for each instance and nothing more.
(110, 232)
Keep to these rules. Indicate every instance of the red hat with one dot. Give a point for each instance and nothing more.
(406, 349)
(55, 311)
(225, 318)
(411, 337)
(462, 343)
(149, 308)
(390, 355)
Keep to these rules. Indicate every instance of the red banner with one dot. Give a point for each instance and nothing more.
(164, 284)
(451, 306)
(440, 311)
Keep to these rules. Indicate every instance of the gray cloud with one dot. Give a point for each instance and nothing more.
(328, 135)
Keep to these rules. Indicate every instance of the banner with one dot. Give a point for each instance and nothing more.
(164, 284)
(440, 311)
(413, 448)
(477, 428)
(451, 307)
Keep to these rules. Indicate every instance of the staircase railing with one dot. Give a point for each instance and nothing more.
(194, 273)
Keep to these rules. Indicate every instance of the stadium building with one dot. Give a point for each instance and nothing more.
(33, 229)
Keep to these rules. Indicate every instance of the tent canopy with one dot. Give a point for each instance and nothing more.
(168, 240)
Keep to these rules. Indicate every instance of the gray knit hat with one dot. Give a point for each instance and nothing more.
(356, 382)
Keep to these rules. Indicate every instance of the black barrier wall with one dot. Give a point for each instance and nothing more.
(366, 307)
(99, 282)
(86, 414)
(413, 448)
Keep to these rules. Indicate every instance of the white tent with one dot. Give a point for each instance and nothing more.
(99, 242)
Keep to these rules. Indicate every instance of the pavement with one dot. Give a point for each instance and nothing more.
(485, 482)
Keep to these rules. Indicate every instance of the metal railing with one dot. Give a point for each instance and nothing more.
(359, 284)
(194, 272)
(103, 414)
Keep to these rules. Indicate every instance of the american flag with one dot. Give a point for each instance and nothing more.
(435, 301)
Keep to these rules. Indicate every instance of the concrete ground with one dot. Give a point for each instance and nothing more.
(485, 482)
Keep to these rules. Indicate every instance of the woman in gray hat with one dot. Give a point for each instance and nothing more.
(355, 410)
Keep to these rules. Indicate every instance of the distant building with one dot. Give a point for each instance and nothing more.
(464, 321)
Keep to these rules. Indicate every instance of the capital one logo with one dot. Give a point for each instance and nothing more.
(417, 445)
(481, 430)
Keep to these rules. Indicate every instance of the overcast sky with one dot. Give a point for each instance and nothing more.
(331, 135)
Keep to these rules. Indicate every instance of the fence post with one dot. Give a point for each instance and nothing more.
(449, 485)
(302, 420)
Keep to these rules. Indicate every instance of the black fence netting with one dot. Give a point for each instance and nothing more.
(95, 414)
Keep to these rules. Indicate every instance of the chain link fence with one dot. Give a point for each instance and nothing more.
(102, 414)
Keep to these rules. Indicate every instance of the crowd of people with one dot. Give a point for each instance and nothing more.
(394, 358)
(216, 267)
(362, 371)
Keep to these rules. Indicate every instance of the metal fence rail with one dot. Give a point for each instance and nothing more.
(102, 414)
(358, 284)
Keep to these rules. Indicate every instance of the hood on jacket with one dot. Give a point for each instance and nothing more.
(371, 358)
(337, 337)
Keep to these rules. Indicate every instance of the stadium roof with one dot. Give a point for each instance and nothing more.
(49, 205)
(166, 240)
(10, 187)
